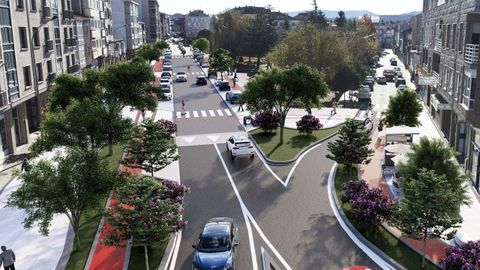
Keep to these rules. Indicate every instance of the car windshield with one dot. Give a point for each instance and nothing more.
(214, 243)
(181, 73)
(242, 144)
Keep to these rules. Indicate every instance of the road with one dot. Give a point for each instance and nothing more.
(292, 223)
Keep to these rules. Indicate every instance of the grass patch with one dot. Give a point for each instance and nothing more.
(381, 237)
(294, 142)
(90, 220)
(155, 255)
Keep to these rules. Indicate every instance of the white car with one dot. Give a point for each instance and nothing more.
(166, 89)
(181, 76)
(240, 146)
(204, 64)
(401, 87)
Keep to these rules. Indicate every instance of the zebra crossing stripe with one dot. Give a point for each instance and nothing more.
(195, 114)
(362, 114)
(204, 113)
(220, 113)
(379, 114)
(228, 112)
(187, 114)
(179, 115)
(211, 113)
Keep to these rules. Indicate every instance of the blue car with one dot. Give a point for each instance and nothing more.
(216, 245)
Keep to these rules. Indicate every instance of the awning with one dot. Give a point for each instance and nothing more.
(402, 130)
(439, 103)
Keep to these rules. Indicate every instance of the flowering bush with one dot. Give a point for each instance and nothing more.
(168, 125)
(462, 258)
(267, 121)
(370, 207)
(308, 124)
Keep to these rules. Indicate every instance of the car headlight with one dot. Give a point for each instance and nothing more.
(229, 264)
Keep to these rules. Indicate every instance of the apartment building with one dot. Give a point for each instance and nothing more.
(149, 14)
(451, 38)
(165, 25)
(195, 21)
(126, 24)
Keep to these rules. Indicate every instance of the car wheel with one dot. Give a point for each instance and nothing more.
(232, 156)
(252, 156)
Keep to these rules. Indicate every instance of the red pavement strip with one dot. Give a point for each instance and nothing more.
(110, 257)
(230, 81)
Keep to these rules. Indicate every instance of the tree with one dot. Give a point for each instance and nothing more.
(341, 21)
(160, 46)
(261, 35)
(204, 33)
(268, 121)
(150, 148)
(220, 60)
(72, 183)
(148, 52)
(317, 17)
(147, 213)
(279, 89)
(229, 31)
(460, 258)
(308, 123)
(202, 44)
(369, 206)
(403, 109)
(430, 208)
(346, 78)
(351, 147)
(168, 125)
(86, 124)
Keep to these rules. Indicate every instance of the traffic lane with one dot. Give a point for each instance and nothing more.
(297, 219)
(207, 125)
(211, 195)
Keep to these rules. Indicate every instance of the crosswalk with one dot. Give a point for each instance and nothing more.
(369, 114)
(181, 56)
(191, 73)
(204, 113)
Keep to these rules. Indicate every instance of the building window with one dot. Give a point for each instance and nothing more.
(22, 31)
(36, 37)
(469, 91)
(27, 77)
(19, 4)
(460, 39)
(49, 67)
(449, 31)
(39, 72)
(33, 4)
(454, 37)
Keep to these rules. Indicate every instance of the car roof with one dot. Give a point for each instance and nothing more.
(201, 77)
(240, 138)
(181, 73)
(235, 91)
(217, 227)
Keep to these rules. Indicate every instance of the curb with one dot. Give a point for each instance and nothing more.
(288, 162)
(377, 255)
(166, 261)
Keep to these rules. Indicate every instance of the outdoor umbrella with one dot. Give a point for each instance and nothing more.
(398, 148)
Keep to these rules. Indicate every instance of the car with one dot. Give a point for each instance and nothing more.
(400, 81)
(204, 64)
(217, 245)
(199, 57)
(212, 73)
(398, 74)
(369, 84)
(240, 146)
(165, 80)
(401, 87)
(201, 80)
(166, 74)
(393, 62)
(381, 80)
(181, 77)
(363, 92)
(370, 78)
(224, 86)
(233, 96)
(167, 67)
(389, 75)
(166, 89)
(396, 69)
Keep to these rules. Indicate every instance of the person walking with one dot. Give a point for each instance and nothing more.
(240, 106)
(188, 67)
(25, 166)
(334, 107)
(7, 258)
(183, 107)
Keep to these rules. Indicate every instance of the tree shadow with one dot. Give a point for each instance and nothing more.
(264, 137)
(273, 150)
(302, 140)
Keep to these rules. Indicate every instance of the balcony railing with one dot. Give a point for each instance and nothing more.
(70, 42)
(46, 12)
(3, 99)
(49, 45)
(73, 69)
(67, 14)
(471, 53)
(436, 76)
(438, 44)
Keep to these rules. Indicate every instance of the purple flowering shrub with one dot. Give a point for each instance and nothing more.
(369, 206)
(462, 258)
(168, 125)
(308, 124)
(267, 121)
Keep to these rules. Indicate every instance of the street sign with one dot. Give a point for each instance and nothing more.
(432, 81)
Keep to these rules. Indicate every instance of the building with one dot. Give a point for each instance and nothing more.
(165, 25)
(149, 14)
(178, 26)
(449, 57)
(126, 25)
(195, 21)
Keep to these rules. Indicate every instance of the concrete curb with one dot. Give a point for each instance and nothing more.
(382, 259)
(299, 154)
(67, 249)
(168, 253)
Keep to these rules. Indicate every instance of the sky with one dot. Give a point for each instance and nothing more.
(381, 7)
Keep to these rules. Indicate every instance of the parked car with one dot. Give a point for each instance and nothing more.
(166, 89)
(401, 87)
(167, 74)
(381, 80)
(199, 57)
(217, 245)
(181, 77)
(398, 74)
(389, 75)
(224, 86)
(240, 146)
(369, 84)
(393, 62)
(396, 69)
(212, 73)
(233, 96)
(201, 80)
(167, 67)
(400, 81)
(363, 92)
(165, 80)
(204, 64)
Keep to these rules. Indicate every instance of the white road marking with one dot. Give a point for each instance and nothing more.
(377, 259)
(187, 114)
(362, 114)
(188, 139)
(211, 113)
(179, 114)
(214, 138)
(195, 114)
(379, 114)
(228, 112)
(220, 113)
(204, 113)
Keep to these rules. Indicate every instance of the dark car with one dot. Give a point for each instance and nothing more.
(233, 96)
(389, 75)
(201, 80)
(400, 81)
(393, 62)
(217, 244)
(212, 73)
(224, 86)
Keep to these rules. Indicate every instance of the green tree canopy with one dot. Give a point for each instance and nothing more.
(74, 182)
(341, 21)
(160, 46)
(150, 148)
(351, 146)
(202, 44)
(204, 33)
(220, 60)
(403, 109)
(260, 35)
(229, 32)
(278, 89)
(148, 52)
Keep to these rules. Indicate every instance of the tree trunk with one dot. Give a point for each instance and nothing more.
(424, 248)
(110, 148)
(249, 59)
(282, 125)
(145, 249)
(258, 62)
(76, 229)
(152, 172)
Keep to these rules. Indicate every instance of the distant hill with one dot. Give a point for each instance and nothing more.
(176, 16)
(400, 17)
(331, 14)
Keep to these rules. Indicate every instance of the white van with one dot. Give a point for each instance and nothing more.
(364, 92)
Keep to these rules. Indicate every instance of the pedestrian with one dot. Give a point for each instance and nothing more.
(7, 258)
(183, 107)
(188, 67)
(334, 107)
(143, 113)
(370, 109)
(380, 125)
(25, 166)
(240, 106)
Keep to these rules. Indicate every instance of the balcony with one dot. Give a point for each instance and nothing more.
(67, 14)
(46, 12)
(436, 76)
(73, 69)
(438, 44)
(102, 14)
(49, 45)
(471, 53)
(70, 42)
(3, 99)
